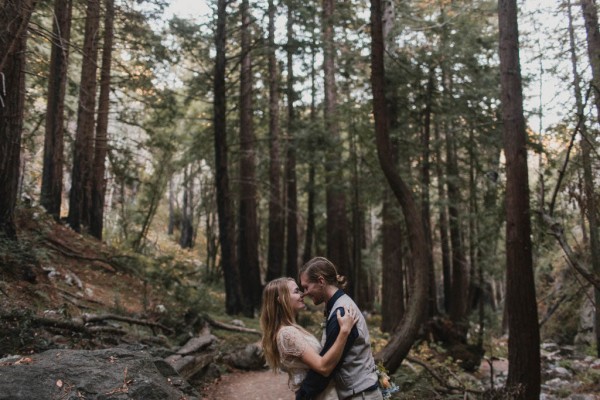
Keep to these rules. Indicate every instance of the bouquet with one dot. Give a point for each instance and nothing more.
(386, 386)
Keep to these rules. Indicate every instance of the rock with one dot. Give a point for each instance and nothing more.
(238, 322)
(250, 357)
(562, 372)
(549, 347)
(585, 331)
(116, 373)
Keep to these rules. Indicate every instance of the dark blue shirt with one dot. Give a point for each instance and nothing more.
(315, 383)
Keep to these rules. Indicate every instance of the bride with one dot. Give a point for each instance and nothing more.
(290, 347)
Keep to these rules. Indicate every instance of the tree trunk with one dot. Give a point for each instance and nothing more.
(14, 18)
(400, 343)
(276, 210)
(590, 16)
(83, 148)
(210, 231)
(360, 281)
(338, 249)
(171, 225)
(475, 289)
(392, 282)
(101, 147)
(524, 338)
(248, 225)
(233, 297)
(586, 147)
(310, 214)
(290, 169)
(460, 273)
(187, 212)
(425, 182)
(52, 183)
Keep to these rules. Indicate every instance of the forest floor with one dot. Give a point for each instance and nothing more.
(249, 385)
(54, 272)
(267, 385)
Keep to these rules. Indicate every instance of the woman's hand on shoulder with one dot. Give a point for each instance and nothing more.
(348, 320)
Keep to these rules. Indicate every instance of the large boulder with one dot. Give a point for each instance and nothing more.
(585, 331)
(116, 373)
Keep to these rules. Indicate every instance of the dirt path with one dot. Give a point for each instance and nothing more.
(253, 385)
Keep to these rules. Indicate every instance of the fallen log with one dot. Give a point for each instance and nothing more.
(89, 318)
(190, 365)
(228, 327)
(197, 343)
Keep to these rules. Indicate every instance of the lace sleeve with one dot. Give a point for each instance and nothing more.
(291, 342)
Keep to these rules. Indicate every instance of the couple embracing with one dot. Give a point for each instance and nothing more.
(341, 366)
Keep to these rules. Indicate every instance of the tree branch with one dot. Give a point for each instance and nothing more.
(556, 230)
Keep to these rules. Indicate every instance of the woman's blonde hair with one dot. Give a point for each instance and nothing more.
(276, 312)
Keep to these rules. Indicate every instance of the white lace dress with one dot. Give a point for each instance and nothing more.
(291, 343)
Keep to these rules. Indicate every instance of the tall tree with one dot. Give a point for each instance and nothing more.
(443, 223)
(402, 340)
(338, 249)
(291, 222)
(309, 237)
(101, 142)
(83, 148)
(14, 18)
(425, 183)
(586, 140)
(233, 296)
(460, 278)
(276, 210)
(186, 240)
(392, 282)
(171, 225)
(590, 17)
(248, 225)
(52, 173)
(524, 337)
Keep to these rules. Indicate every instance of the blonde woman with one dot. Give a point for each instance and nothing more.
(288, 346)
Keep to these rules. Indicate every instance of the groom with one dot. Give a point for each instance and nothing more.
(355, 376)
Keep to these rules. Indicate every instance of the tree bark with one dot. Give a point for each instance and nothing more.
(83, 148)
(361, 279)
(590, 17)
(524, 338)
(460, 273)
(590, 14)
(276, 210)
(248, 225)
(392, 282)
(443, 224)
(101, 145)
(290, 168)
(187, 212)
(52, 172)
(402, 340)
(233, 297)
(312, 192)
(171, 225)
(338, 249)
(425, 183)
(14, 18)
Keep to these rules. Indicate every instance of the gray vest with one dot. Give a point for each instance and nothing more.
(357, 372)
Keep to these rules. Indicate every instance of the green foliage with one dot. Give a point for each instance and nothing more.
(18, 258)
(180, 281)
